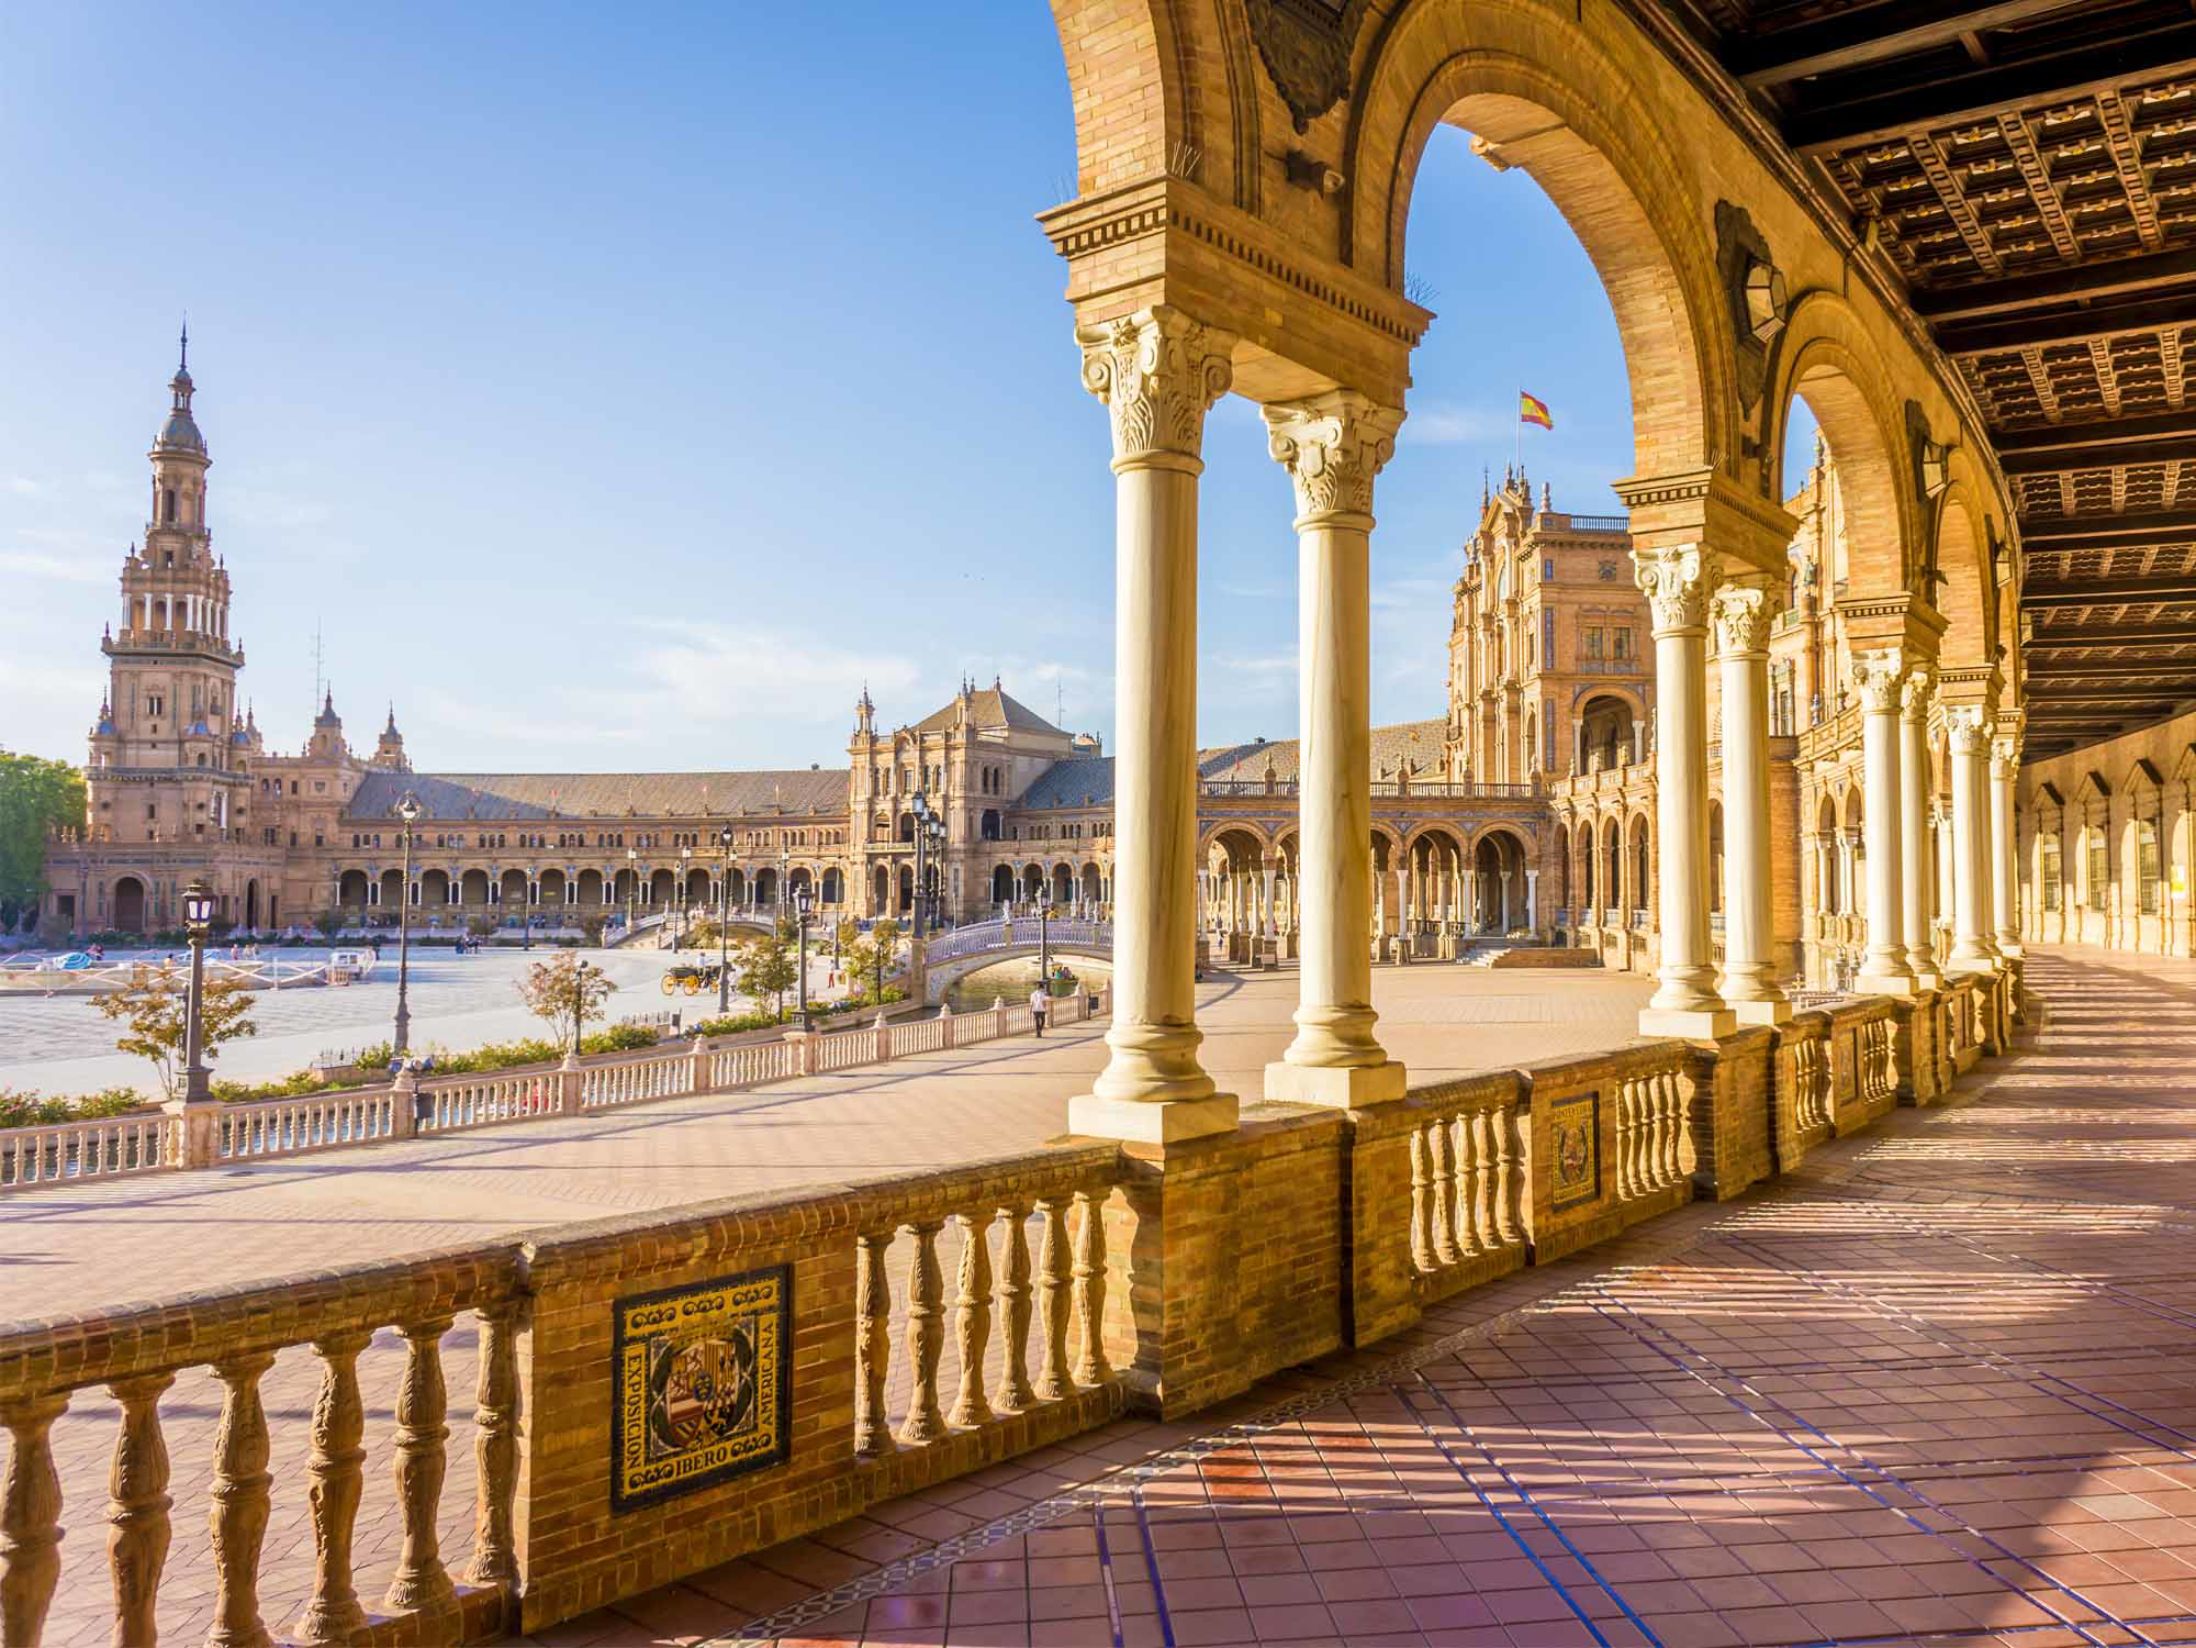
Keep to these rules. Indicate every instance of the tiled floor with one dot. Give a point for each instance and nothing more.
(1938, 1387)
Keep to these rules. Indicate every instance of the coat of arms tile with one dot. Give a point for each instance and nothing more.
(1574, 1142)
(700, 1385)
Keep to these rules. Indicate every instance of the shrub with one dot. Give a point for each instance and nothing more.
(21, 1109)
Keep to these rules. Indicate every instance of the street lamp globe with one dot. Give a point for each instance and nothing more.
(198, 908)
(409, 809)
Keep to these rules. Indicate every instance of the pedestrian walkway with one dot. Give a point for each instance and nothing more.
(78, 1246)
(1938, 1386)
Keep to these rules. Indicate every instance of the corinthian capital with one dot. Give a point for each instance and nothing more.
(2005, 753)
(1158, 372)
(1881, 677)
(1742, 616)
(1332, 446)
(1677, 582)
(1966, 729)
(1915, 693)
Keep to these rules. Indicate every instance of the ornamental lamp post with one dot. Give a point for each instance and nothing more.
(803, 902)
(724, 924)
(686, 859)
(408, 809)
(198, 912)
(1044, 944)
(785, 862)
(632, 886)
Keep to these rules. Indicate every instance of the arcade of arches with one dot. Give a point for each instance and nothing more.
(1866, 732)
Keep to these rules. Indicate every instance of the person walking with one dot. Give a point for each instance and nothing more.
(1039, 1005)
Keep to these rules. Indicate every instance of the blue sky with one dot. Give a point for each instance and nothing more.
(624, 386)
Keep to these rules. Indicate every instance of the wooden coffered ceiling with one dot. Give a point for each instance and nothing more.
(2030, 166)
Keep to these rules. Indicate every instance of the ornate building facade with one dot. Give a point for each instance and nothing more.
(182, 785)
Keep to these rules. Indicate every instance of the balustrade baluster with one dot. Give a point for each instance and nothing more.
(1012, 1394)
(237, 1522)
(137, 1508)
(1052, 1303)
(925, 1336)
(1421, 1206)
(1090, 1289)
(336, 1469)
(422, 1435)
(1487, 1185)
(1470, 1172)
(972, 1319)
(30, 1519)
(872, 1341)
(1508, 1191)
(1673, 1127)
(1627, 1140)
(495, 1449)
(1441, 1160)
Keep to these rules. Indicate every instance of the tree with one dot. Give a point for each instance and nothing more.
(871, 957)
(37, 796)
(153, 1009)
(567, 991)
(766, 967)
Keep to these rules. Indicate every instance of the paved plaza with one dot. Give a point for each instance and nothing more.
(1936, 1387)
(61, 1044)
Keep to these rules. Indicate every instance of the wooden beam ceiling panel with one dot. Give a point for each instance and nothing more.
(1856, 39)
(1985, 91)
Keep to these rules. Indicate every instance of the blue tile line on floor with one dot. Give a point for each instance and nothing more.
(1151, 1563)
(1800, 1422)
(1486, 1501)
(1105, 1574)
(2037, 1379)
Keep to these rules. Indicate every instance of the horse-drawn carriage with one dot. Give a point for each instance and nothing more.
(691, 978)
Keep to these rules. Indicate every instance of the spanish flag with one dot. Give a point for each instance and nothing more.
(1532, 409)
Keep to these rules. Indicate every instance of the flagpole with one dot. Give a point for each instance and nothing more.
(1521, 428)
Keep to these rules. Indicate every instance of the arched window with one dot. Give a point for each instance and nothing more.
(2146, 866)
(2097, 867)
(167, 504)
(2048, 878)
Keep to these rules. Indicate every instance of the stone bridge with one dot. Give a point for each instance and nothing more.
(952, 956)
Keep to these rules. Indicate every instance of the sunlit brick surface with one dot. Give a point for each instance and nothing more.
(1939, 1386)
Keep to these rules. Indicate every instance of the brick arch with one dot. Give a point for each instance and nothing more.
(1825, 359)
(1967, 589)
(1527, 81)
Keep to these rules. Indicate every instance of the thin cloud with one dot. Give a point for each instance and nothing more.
(1443, 423)
(31, 565)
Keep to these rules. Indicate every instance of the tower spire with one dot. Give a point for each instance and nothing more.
(183, 364)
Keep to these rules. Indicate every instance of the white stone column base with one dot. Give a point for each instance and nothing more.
(1151, 1121)
(1688, 1023)
(1881, 984)
(1778, 1011)
(1343, 1087)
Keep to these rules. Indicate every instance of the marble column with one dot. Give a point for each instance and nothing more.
(1677, 582)
(1947, 875)
(1881, 676)
(2005, 767)
(1970, 740)
(1332, 447)
(1749, 984)
(1271, 927)
(1915, 878)
(1158, 372)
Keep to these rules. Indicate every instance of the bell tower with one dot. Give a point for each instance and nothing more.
(171, 697)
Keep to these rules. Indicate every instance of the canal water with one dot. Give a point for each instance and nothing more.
(1013, 980)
